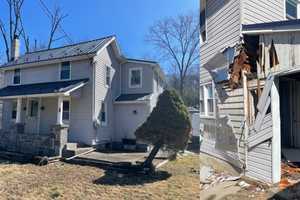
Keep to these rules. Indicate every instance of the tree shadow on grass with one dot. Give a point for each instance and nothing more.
(112, 177)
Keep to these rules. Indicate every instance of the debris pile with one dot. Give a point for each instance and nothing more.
(290, 175)
(209, 178)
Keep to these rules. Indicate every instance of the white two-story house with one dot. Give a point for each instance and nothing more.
(88, 88)
(235, 127)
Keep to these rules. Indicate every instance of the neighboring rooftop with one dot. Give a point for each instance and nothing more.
(277, 26)
(78, 49)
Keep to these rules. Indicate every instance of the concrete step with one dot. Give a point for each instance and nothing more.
(71, 146)
(71, 151)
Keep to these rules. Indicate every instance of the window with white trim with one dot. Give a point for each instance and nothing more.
(65, 71)
(203, 27)
(17, 77)
(34, 107)
(201, 106)
(14, 110)
(108, 76)
(103, 114)
(291, 9)
(66, 110)
(207, 100)
(135, 77)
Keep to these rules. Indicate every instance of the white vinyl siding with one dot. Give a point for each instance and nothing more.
(258, 11)
(222, 27)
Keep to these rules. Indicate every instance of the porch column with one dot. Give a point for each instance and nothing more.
(19, 108)
(59, 110)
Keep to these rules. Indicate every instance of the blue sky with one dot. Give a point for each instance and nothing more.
(129, 20)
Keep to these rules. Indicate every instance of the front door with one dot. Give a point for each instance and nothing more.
(32, 116)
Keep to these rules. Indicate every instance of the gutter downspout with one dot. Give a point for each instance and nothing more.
(93, 97)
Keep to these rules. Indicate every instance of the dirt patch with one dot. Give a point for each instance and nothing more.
(176, 180)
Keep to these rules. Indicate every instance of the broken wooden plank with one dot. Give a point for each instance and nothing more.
(266, 91)
(261, 115)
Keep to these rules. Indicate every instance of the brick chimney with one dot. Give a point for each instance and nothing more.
(15, 48)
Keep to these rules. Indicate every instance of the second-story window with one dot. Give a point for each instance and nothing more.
(17, 77)
(65, 71)
(291, 9)
(135, 78)
(108, 76)
(203, 21)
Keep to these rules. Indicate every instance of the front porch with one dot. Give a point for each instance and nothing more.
(36, 120)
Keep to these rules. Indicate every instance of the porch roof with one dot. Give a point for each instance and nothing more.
(42, 89)
(133, 97)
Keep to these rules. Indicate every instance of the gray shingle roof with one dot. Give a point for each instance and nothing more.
(133, 97)
(82, 48)
(40, 88)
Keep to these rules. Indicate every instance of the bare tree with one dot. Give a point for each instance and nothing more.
(56, 19)
(15, 27)
(177, 40)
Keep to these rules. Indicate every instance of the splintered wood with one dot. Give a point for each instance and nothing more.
(240, 64)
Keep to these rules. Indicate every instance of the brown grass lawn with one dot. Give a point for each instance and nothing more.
(175, 180)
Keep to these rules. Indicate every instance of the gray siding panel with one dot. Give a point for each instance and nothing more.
(260, 156)
(104, 93)
(223, 135)
(258, 11)
(147, 78)
(223, 27)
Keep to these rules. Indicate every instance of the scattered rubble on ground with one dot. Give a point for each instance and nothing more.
(209, 178)
(290, 175)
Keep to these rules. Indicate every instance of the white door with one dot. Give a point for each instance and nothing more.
(32, 115)
(296, 114)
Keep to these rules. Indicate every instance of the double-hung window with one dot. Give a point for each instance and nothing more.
(103, 114)
(34, 107)
(291, 9)
(66, 110)
(14, 110)
(135, 77)
(203, 22)
(207, 100)
(65, 71)
(17, 77)
(108, 76)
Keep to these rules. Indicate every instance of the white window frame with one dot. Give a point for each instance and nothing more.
(202, 42)
(110, 76)
(60, 68)
(13, 77)
(12, 109)
(289, 17)
(66, 121)
(130, 76)
(206, 114)
(103, 123)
